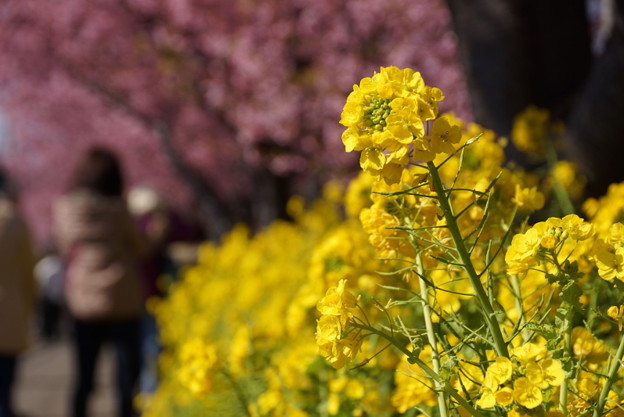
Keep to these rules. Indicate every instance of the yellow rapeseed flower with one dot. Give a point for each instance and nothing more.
(610, 262)
(586, 347)
(498, 373)
(529, 131)
(617, 314)
(336, 342)
(199, 362)
(526, 393)
(528, 199)
(607, 210)
(529, 352)
(443, 136)
(522, 253)
(577, 228)
(412, 387)
(504, 396)
(384, 118)
(565, 173)
(487, 399)
(337, 301)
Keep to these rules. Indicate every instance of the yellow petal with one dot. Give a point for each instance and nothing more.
(553, 372)
(526, 394)
(352, 140)
(372, 159)
(487, 400)
(504, 396)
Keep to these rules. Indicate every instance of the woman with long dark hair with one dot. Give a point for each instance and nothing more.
(101, 246)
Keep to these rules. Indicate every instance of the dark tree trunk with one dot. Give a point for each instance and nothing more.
(559, 49)
(522, 52)
(269, 197)
(495, 59)
(596, 126)
(517, 53)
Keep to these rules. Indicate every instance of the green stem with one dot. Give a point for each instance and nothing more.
(412, 358)
(566, 328)
(435, 359)
(499, 343)
(591, 311)
(515, 284)
(563, 198)
(238, 391)
(449, 390)
(567, 346)
(611, 376)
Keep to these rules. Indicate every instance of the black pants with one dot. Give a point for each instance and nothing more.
(50, 314)
(7, 377)
(89, 337)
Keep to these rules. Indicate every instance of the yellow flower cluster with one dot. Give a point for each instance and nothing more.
(609, 253)
(566, 174)
(239, 329)
(411, 387)
(531, 130)
(521, 380)
(554, 237)
(242, 298)
(385, 117)
(592, 355)
(529, 199)
(607, 210)
(423, 289)
(200, 362)
(551, 242)
(538, 137)
(337, 343)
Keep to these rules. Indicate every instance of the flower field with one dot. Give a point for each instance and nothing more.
(441, 281)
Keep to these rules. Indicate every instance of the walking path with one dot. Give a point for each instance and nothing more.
(44, 381)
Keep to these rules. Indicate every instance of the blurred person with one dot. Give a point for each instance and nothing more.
(152, 219)
(49, 272)
(17, 292)
(171, 242)
(101, 247)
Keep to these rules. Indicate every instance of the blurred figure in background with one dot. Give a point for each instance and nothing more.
(49, 272)
(171, 242)
(17, 292)
(101, 247)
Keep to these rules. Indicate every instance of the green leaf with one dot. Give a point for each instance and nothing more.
(448, 368)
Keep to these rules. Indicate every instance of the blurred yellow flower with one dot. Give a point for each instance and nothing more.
(528, 199)
(199, 362)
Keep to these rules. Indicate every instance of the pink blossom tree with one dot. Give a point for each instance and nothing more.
(233, 105)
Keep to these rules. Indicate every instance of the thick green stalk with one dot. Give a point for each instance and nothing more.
(611, 377)
(435, 359)
(499, 343)
(566, 327)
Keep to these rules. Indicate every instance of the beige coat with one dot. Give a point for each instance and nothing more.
(17, 282)
(99, 240)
